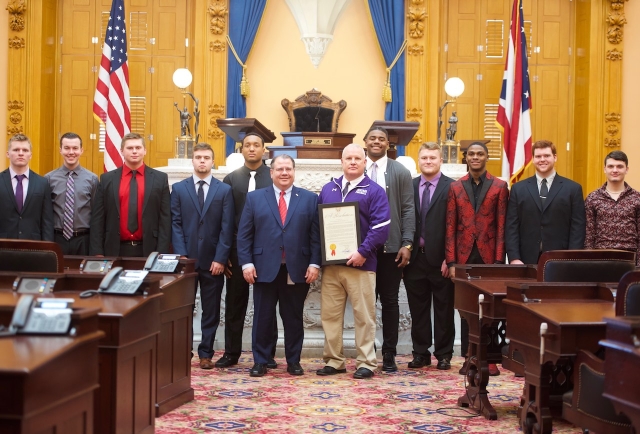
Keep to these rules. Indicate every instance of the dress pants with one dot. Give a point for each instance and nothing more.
(425, 282)
(388, 277)
(236, 301)
(74, 246)
(291, 302)
(210, 294)
(338, 283)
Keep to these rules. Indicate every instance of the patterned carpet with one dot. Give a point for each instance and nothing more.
(422, 401)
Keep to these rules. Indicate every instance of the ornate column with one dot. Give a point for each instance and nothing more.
(615, 20)
(16, 75)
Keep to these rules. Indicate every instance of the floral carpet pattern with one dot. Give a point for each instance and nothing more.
(407, 401)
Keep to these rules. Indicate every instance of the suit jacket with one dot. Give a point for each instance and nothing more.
(559, 225)
(36, 220)
(262, 236)
(239, 182)
(485, 226)
(434, 221)
(204, 235)
(156, 214)
(400, 195)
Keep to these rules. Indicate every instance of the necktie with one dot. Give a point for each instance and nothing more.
(69, 207)
(133, 203)
(424, 207)
(19, 193)
(544, 191)
(374, 172)
(252, 181)
(201, 194)
(345, 190)
(282, 207)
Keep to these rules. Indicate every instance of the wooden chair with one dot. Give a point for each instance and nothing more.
(585, 265)
(30, 256)
(313, 111)
(585, 406)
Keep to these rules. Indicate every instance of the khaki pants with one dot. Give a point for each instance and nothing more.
(338, 283)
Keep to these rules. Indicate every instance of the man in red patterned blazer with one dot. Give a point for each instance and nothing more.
(476, 215)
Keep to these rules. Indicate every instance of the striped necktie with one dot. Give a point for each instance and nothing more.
(69, 207)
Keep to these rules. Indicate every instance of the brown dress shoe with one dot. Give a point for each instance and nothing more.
(206, 363)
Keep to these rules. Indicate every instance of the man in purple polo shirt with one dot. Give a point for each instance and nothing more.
(356, 280)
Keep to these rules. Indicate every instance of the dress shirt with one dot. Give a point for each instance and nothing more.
(549, 179)
(352, 184)
(421, 187)
(382, 169)
(477, 188)
(25, 183)
(125, 181)
(85, 185)
(205, 187)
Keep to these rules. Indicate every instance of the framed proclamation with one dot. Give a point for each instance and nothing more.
(339, 231)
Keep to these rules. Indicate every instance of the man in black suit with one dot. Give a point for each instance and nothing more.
(131, 213)
(545, 212)
(253, 175)
(426, 277)
(27, 212)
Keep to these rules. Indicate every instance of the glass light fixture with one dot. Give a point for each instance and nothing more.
(454, 87)
(182, 78)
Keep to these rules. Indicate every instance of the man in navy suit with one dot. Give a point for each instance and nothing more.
(545, 212)
(202, 229)
(27, 212)
(279, 250)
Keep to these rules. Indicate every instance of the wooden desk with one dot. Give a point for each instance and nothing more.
(125, 401)
(574, 314)
(48, 382)
(486, 330)
(621, 382)
(174, 342)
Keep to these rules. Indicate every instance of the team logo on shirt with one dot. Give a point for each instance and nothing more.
(361, 191)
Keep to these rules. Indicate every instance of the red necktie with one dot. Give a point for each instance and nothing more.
(282, 207)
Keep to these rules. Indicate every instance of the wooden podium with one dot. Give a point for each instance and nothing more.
(309, 145)
(237, 128)
(400, 133)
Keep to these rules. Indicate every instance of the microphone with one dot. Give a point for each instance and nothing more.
(318, 119)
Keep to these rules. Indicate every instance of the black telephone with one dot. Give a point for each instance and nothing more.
(119, 281)
(161, 263)
(40, 316)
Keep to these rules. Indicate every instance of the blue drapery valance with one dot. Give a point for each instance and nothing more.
(244, 19)
(388, 21)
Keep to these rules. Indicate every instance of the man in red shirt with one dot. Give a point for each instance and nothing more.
(127, 197)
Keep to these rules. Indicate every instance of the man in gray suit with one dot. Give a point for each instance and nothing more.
(26, 212)
(396, 252)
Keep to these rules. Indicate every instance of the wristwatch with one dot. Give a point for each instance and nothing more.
(409, 247)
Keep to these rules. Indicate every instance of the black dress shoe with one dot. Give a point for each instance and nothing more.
(295, 369)
(363, 373)
(419, 362)
(389, 363)
(330, 370)
(444, 364)
(226, 361)
(258, 370)
(272, 364)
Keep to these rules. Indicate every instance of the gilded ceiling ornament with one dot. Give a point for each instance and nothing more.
(415, 50)
(15, 118)
(217, 46)
(612, 117)
(614, 54)
(15, 105)
(612, 143)
(16, 10)
(416, 25)
(218, 12)
(16, 42)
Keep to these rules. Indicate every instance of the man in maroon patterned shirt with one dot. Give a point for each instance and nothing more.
(613, 210)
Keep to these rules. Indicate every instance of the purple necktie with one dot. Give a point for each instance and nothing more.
(20, 193)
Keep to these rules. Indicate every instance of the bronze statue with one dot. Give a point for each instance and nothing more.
(453, 127)
(185, 130)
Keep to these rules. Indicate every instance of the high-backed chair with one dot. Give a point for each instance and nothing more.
(30, 256)
(313, 111)
(585, 406)
(585, 265)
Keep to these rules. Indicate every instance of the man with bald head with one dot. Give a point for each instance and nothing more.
(357, 278)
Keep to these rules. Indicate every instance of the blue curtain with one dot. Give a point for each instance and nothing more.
(388, 20)
(244, 19)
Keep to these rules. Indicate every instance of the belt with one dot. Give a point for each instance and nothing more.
(74, 233)
(132, 242)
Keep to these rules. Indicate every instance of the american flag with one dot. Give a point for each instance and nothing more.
(514, 117)
(111, 104)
